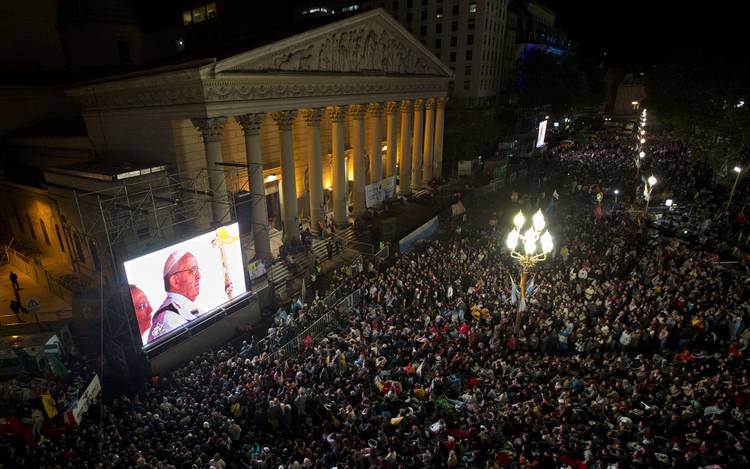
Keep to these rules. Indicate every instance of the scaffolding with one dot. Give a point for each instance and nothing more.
(147, 208)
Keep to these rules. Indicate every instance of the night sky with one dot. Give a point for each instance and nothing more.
(640, 33)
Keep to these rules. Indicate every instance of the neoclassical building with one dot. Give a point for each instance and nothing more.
(303, 124)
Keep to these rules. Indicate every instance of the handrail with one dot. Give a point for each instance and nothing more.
(346, 242)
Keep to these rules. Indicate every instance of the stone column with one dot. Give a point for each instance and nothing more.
(210, 129)
(357, 112)
(338, 170)
(391, 139)
(259, 215)
(314, 166)
(439, 126)
(284, 121)
(404, 148)
(375, 111)
(429, 138)
(417, 144)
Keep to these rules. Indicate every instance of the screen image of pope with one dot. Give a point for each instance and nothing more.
(173, 286)
(182, 282)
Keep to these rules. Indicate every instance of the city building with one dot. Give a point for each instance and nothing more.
(631, 92)
(467, 35)
(530, 29)
(299, 126)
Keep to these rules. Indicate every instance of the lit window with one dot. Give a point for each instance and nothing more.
(187, 18)
(472, 7)
(199, 14)
(31, 226)
(59, 238)
(211, 11)
(439, 13)
(44, 232)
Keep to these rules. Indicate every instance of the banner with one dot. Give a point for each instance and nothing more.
(457, 209)
(388, 186)
(88, 398)
(373, 194)
(424, 231)
(464, 167)
(256, 269)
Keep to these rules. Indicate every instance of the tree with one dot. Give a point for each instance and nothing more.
(700, 97)
(566, 84)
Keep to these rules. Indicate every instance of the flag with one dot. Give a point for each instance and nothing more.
(49, 405)
(724, 170)
(58, 368)
(530, 288)
(513, 297)
(556, 195)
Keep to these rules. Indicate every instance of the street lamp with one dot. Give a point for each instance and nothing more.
(617, 192)
(737, 170)
(651, 182)
(643, 140)
(532, 253)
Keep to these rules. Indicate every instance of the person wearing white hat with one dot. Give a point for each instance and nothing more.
(182, 284)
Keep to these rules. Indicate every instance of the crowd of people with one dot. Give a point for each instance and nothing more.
(631, 354)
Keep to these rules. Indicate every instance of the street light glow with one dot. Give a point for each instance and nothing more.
(651, 181)
(512, 241)
(737, 169)
(617, 191)
(642, 154)
(519, 220)
(538, 220)
(546, 240)
(643, 140)
(668, 202)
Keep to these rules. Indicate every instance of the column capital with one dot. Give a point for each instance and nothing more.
(375, 109)
(312, 116)
(251, 122)
(391, 107)
(406, 106)
(284, 119)
(441, 101)
(209, 127)
(337, 113)
(357, 111)
(418, 104)
(429, 104)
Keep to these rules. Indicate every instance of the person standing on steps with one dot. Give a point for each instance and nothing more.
(14, 280)
(15, 306)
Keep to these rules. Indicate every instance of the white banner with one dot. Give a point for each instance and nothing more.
(88, 398)
(388, 186)
(373, 194)
(377, 192)
(464, 168)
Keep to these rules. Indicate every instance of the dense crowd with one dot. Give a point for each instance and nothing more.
(632, 354)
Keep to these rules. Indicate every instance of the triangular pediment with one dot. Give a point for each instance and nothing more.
(370, 42)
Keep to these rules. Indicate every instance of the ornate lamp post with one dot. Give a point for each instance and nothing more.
(647, 193)
(737, 170)
(532, 253)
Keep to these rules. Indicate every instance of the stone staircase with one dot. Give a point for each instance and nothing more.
(283, 271)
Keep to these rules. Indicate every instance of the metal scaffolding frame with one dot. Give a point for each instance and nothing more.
(147, 207)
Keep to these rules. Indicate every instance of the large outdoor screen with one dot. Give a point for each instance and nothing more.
(541, 134)
(176, 285)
